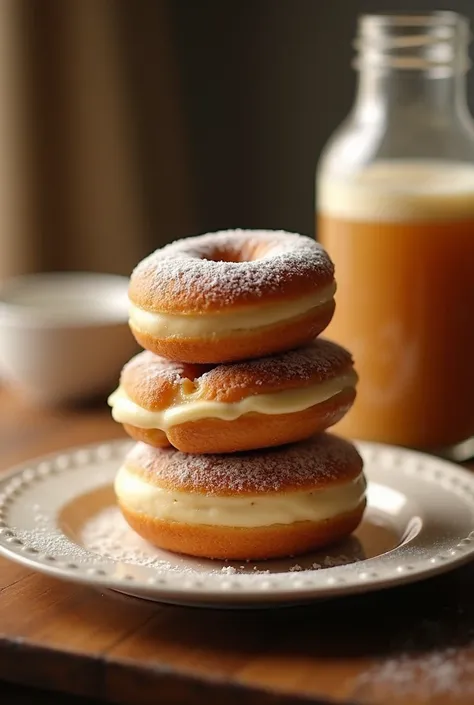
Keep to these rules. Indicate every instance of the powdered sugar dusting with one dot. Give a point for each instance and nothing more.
(108, 535)
(146, 374)
(447, 673)
(320, 460)
(153, 369)
(45, 540)
(319, 361)
(433, 659)
(229, 266)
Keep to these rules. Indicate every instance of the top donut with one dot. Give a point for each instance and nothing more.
(231, 295)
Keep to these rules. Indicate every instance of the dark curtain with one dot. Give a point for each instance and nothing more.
(124, 125)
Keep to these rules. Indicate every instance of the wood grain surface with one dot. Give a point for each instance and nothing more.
(407, 646)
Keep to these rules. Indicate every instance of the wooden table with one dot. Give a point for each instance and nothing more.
(410, 645)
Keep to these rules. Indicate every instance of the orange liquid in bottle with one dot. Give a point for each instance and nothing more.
(402, 238)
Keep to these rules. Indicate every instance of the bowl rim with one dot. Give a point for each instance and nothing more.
(14, 313)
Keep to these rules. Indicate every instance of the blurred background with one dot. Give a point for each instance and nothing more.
(124, 125)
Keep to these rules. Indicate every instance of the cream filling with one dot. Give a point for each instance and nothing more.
(191, 408)
(191, 325)
(244, 511)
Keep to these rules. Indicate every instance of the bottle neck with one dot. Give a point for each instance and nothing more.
(412, 65)
(384, 96)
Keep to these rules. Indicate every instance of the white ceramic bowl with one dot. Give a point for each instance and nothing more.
(64, 337)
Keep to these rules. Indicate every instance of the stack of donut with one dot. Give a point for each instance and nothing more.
(230, 400)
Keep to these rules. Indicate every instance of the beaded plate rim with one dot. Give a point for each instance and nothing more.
(211, 589)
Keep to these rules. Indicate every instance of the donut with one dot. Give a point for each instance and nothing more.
(247, 506)
(231, 295)
(232, 407)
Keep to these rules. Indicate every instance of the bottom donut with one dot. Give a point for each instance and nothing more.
(246, 506)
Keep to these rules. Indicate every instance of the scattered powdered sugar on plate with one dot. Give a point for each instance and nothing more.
(108, 536)
(441, 673)
(228, 570)
(432, 660)
(54, 543)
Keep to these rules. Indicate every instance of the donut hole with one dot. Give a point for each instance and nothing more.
(225, 255)
(235, 252)
(232, 249)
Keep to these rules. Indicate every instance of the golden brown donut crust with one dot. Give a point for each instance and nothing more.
(250, 431)
(234, 269)
(231, 543)
(251, 343)
(152, 381)
(317, 463)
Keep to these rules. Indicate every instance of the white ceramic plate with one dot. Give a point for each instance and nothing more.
(57, 516)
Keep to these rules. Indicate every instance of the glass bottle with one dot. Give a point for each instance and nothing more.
(395, 210)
